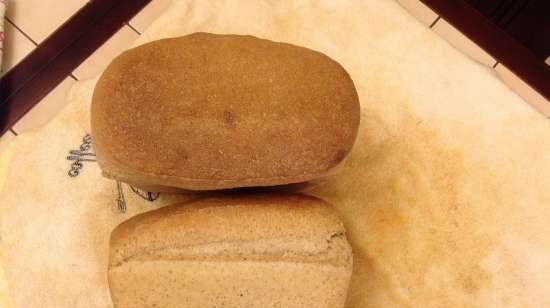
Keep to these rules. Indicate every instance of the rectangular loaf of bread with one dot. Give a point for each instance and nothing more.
(232, 251)
(210, 111)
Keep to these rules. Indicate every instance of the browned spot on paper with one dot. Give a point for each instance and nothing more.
(415, 237)
(472, 282)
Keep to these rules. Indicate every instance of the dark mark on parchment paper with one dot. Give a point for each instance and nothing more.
(84, 154)
(120, 201)
(149, 196)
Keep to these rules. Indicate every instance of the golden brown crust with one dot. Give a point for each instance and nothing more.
(257, 225)
(209, 111)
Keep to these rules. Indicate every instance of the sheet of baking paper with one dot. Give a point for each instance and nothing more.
(5, 157)
(446, 195)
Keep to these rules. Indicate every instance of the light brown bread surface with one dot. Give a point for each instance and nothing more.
(208, 111)
(264, 250)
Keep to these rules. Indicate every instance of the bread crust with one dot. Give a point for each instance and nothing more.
(258, 250)
(208, 111)
(309, 223)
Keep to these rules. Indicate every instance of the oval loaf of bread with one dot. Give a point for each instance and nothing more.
(209, 111)
(250, 251)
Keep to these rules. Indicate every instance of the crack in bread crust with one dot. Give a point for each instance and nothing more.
(337, 252)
